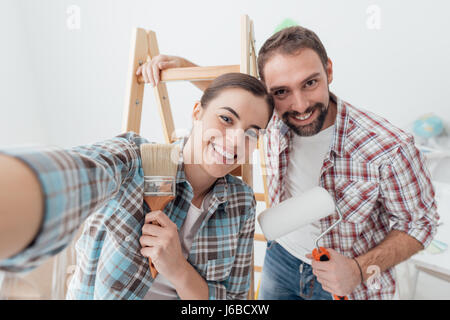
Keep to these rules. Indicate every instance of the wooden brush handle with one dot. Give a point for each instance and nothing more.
(156, 203)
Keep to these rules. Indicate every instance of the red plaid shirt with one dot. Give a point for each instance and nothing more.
(378, 179)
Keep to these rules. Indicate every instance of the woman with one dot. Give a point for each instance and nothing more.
(203, 246)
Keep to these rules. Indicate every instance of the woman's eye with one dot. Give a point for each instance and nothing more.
(226, 119)
(252, 134)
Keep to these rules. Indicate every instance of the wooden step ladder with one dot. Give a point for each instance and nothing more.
(144, 46)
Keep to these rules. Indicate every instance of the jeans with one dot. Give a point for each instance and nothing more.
(284, 277)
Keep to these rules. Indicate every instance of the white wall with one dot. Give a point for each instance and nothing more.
(66, 87)
(20, 108)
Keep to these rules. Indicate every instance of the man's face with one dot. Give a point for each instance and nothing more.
(299, 85)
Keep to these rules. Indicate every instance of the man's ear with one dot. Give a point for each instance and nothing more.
(197, 112)
(329, 71)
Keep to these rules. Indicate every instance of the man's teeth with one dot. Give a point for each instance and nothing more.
(303, 117)
(223, 153)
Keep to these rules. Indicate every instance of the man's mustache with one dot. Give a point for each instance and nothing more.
(312, 108)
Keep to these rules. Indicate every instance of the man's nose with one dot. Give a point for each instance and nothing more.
(300, 102)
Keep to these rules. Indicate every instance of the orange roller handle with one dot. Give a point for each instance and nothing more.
(323, 255)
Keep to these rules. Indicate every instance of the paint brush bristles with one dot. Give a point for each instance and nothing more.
(160, 164)
(159, 159)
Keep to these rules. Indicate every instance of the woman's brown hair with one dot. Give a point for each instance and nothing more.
(237, 80)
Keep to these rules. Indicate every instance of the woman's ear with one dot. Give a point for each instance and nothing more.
(197, 112)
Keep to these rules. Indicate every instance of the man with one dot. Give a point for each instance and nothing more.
(373, 169)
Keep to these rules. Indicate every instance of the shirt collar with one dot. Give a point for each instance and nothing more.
(340, 128)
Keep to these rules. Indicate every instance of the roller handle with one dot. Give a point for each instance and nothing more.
(323, 255)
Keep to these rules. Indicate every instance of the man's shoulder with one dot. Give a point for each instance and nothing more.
(371, 137)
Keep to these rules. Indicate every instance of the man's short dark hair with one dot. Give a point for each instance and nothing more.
(290, 41)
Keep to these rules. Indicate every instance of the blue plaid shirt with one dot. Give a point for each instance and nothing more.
(102, 185)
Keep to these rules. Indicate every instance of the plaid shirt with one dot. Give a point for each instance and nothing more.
(103, 183)
(376, 175)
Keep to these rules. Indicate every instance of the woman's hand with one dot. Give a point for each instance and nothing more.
(162, 244)
(151, 70)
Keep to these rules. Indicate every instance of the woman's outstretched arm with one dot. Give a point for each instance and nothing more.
(47, 194)
(21, 206)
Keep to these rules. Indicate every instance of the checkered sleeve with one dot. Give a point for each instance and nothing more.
(75, 183)
(237, 286)
(408, 194)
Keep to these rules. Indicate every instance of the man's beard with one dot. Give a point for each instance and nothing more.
(309, 129)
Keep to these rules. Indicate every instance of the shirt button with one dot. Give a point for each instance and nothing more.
(128, 238)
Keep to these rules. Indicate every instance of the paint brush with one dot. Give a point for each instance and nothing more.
(160, 163)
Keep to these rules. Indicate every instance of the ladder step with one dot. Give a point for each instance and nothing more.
(194, 73)
(259, 237)
(260, 197)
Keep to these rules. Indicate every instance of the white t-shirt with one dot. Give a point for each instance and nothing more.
(303, 173)
(161, 288)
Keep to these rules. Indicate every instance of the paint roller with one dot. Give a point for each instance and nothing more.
(299, 211)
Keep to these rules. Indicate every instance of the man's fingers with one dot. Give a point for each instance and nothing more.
(139, 70)
(145, 73)
(326, 288)
(155, 73)
(323, 276)
(320, 265)
(167, 64)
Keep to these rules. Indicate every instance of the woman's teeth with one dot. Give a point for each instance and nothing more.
(223, 153)
(304, 116)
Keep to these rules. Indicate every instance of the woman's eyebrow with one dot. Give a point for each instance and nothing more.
(237, 116)
(232, 111)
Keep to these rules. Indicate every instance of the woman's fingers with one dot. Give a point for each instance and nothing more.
(149, 229)
(151, 241)
(147, 252)
(159, 217)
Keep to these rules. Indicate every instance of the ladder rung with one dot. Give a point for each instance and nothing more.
(194, 73)
(259, 237)
(260, 197)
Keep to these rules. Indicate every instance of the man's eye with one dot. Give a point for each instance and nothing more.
(279, 92)
(310, 83)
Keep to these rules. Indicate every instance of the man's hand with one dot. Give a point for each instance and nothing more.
(340, 275)
(162, 244)
(151, 70)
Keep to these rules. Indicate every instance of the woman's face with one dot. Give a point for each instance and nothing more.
(227, 130)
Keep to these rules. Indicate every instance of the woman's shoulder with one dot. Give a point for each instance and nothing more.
(240, 190)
